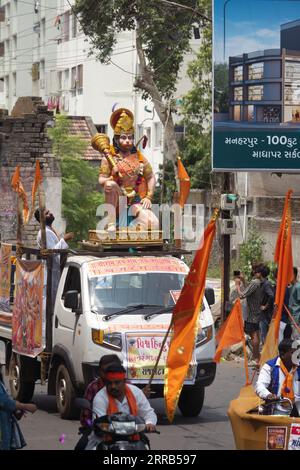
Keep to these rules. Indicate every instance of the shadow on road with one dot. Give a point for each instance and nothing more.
(45, 402)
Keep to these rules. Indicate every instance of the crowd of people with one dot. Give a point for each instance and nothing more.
(257, 298)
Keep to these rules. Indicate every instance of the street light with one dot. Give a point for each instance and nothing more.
(224, 27)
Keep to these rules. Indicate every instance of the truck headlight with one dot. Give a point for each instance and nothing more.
(204, 335)
(107, 340)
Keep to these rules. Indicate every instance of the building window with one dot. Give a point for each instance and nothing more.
(74, 26)
(255, 93)
(1, 49)
(271, 114)
(157, 134)
(292, 71)
(66, 26)
(66, 79)
(148, 134)
(238, 73)
(292, 93)
(42, 74)
(14, 46)
(59, 79)
(237, 113)
(43, 31)
(2, 14)
(7, 47)
(73, 78)
(80, 76)
(102, 128)
(14, 80)
(256, 71)
(179, 132)
(238, 94)
(6, 83)
(251, 113)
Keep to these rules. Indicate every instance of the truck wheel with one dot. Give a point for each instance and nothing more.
(191, 400)
(65, 394)
(20, 389)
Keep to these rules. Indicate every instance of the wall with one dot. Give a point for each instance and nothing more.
(23, 140)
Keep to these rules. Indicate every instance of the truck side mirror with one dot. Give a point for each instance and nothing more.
(210, 295)
(71, 299)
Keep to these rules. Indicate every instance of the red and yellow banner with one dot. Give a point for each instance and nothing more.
(17, 186)
(185, 321)
(27, 319)
(184, 181)
(36, 183)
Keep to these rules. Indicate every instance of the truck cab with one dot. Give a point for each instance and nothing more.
(123, 304)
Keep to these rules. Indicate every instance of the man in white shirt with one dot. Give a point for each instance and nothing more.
(117, 396)
(280, 377)
(53, 242)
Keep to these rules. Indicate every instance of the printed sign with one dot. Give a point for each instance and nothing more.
(294, 440)
(135, 265)
(256, 92)
(5, 273)
(276, 437)
(27, 318)
(141, 355)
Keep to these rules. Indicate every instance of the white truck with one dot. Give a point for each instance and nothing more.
(111, 303)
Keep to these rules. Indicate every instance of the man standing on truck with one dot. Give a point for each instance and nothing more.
(53, 242)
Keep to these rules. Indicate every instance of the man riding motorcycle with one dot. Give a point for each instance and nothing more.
(119, 397)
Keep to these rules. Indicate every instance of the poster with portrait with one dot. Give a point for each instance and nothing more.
(5, 274)
(28, 311)
(276, 437)
(141, 354)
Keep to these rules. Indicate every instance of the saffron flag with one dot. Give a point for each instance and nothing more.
(36, 183)
(185, 321)
(27, 318)
(284, 258)
(17, 186)
(232, 332)
(185, 183)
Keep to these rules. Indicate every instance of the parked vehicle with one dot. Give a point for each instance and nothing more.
(111, 302)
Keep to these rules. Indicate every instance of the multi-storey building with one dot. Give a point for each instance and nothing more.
(43, 52)
(265, 85)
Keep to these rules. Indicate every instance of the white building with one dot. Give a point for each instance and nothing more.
(43, 52)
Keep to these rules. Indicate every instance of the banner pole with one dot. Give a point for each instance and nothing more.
(160, 352)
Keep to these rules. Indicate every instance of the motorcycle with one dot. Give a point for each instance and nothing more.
(119, 431)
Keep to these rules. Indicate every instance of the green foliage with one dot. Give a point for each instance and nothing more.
(221, 91)
(196, 109)
(251, 252)
(80, 197)
(165, 32)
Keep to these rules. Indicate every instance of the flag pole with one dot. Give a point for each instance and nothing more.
(160, 352)
(42, 219)
(19, 227)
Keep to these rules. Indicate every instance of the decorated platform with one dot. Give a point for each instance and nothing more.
(101, 240)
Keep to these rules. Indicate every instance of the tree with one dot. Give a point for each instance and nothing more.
(196, 109)
(163, 32)
(80, 198)
(221, 90)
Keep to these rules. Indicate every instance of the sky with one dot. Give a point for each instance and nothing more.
(250, 25)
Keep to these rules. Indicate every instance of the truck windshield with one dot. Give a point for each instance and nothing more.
(115, 292)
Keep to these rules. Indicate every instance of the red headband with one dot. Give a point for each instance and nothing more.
(111, 376)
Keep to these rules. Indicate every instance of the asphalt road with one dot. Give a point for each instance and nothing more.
(210, 430)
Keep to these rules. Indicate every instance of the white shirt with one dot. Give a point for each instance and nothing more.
(53, 243)
(145, 411)
(264, 380)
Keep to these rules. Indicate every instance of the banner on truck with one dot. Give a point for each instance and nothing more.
(27, 318)
(5, 274)
(141, 354)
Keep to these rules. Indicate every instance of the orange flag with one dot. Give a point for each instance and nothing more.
(18, 187)
(185, 183)
(284, 258)
(232, 332)
(185, 321)
(37, 181)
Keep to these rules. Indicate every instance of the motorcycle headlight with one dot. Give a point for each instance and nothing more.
(123, 428)
(204, 335)
(108, 340)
